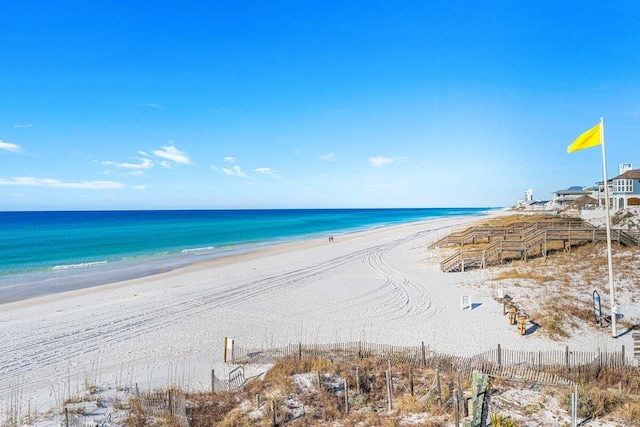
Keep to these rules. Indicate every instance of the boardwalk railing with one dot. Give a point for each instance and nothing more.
(520, 240)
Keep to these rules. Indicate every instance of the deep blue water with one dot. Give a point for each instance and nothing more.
(42, 252)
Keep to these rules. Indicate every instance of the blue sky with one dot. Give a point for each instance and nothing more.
(310, 104)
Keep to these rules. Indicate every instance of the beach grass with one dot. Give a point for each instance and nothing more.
(291, 387)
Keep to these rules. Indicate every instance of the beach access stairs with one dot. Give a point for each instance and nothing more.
(521, 241)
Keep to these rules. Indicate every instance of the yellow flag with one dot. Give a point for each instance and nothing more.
(589, 139)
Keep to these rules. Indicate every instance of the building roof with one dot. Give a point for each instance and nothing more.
(582, 202)
(574, 190)
(632, 174)
(586, 200)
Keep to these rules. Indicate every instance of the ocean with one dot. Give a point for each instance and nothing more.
(47, 252)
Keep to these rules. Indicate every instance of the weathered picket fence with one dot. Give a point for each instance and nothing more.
(529, 365)
(162, 403)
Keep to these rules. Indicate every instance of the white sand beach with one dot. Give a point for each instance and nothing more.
(381, 286)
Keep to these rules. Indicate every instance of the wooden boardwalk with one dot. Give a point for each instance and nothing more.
(521, 241)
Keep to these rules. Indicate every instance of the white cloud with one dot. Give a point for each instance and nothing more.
(152, 105)
(145, 164)
(54, 183)
(229, 159)
(165, 164)
(267, 171)
(139, 187)
(22, 126)
(329, 157)
(8, 146)
(234, 171)
(170, 152)
(380, 161)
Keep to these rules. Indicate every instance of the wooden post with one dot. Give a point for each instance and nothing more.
(346, 396)
(358, 379)
(389, 403)
(66, 417)
(424, 356)
(299, 351)
(499, 356)
(257, 401)
(438, 389)
(411, 380)
(318, 377)
(225, 349)
(624, 360)
(539, 360)
(213, 381)
(273, 413)
(456, 410)
(461, 397)
(566, 357)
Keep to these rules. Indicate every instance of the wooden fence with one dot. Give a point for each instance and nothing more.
(539, 366)
(159, 404)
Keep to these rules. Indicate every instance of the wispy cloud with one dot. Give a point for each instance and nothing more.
(328, 157)
(380, 161)
(234, 171)
(8, 146)
(22, 126)
(267, 171)
(54, 183)
(144, 164)
(152, 105)
(229, 159)
(139, 187)
(169, 152)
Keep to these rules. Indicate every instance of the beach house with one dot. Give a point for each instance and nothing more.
(624, 189)
(573, 196)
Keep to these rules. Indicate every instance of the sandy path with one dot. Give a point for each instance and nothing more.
(379, 286)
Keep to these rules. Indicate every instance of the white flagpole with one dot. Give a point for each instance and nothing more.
(614, 309)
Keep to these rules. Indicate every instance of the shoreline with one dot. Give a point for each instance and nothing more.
(95, 274)
(379, 285)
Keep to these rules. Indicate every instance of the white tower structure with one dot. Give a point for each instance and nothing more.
(528, 196)
(623, 167)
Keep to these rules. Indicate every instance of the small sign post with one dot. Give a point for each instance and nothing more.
(228, 350)
(465, 301)
(596, 308)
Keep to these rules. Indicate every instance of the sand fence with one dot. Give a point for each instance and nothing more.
(554, 367)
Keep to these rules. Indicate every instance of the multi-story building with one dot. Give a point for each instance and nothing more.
(624, 189)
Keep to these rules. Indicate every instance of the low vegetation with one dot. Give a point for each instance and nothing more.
(291, 388)
(563, 284)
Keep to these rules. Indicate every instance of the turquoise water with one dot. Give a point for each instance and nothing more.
(43, 252)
